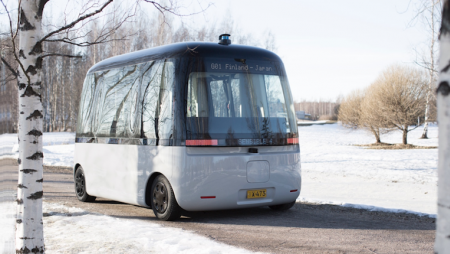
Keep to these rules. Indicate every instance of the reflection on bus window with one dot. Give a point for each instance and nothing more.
(129, 102)
(237, 95)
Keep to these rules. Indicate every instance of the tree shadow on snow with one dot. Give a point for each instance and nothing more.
(314, 216)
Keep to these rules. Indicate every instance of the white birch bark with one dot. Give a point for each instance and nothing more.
(431, 67)
(29, 226)
(71, 98)
(442, 244)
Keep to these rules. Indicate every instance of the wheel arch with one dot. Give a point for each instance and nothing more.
(77, 165)
(148, 188)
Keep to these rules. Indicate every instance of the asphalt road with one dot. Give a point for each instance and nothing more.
(306, 228)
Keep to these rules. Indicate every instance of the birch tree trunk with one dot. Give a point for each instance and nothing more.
(29, 55)
(29, 226)
(442, 244)
(54, 100)
(63, 93)
(71, 98)
(431, 68)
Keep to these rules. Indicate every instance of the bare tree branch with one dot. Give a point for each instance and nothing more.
(72, 24)
(163, 9)
(426, 65)
(13, 42)
(103, 37)
(9, 67)
(171, 10)
(87, 43)
(18, 20)
(63, 55)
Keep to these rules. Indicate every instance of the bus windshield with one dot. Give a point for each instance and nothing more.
(239, 108)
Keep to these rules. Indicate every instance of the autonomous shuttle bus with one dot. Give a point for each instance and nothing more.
(194, 126)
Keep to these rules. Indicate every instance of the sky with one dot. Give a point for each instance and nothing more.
(329, 47)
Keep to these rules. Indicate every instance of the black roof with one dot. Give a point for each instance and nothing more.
(187, 49)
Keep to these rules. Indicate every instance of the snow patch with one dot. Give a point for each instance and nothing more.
(365, 207)
(73, 230)
(7, 221)
(58, 148)
(334, 169)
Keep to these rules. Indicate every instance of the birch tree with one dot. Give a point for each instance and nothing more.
(430, 13)
(433, 12)
(29, 54)
(62, 77)
(442, 244)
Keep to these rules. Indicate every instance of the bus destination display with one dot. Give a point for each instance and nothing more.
(240, 65)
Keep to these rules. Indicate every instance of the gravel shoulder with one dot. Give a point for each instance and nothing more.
(306, 228)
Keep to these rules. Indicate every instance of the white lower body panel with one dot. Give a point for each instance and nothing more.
(222, 173)
(121, 172)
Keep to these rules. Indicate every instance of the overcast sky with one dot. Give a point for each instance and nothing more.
(330, 47)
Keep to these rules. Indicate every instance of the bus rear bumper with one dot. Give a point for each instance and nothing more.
(229, 197)
(218, 178)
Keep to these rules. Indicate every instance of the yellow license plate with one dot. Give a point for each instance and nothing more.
(257, 193)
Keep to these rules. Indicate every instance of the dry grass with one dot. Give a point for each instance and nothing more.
(388, 146)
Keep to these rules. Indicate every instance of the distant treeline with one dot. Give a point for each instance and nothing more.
(320, 109)
(63, 76)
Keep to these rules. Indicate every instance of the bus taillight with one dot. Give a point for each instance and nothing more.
(207, 142)
(292, 141)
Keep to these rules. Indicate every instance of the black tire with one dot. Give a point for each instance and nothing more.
(163, 200)
(283, 207)
(80, 186)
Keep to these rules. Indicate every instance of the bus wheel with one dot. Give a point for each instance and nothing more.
(282, 207)
(164, 204)
(80, 186)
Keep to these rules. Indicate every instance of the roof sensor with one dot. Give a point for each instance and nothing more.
(224, 39)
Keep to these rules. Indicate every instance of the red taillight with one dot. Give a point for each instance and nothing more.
(292, 140)
(208, 142)
(294, 190)
(205, 197)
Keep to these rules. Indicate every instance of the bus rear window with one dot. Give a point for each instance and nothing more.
(231, 106)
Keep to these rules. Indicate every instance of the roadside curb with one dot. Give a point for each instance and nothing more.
(47, 169)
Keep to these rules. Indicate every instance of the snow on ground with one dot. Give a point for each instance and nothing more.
(73, 230)
(96, 233)
(58, 148)
(7, 142)
(59, 155)
(335, 171)
(7, 221)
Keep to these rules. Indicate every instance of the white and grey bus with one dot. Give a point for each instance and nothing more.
(194, 126)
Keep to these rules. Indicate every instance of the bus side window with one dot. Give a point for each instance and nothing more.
(275, 96)
(133, 118)
(114, 114)
(166, 114)
(236, 97)
(219, 98)
(197, 105)
(150, 87)
(192, 104)
(156, 102)
(87, 107)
